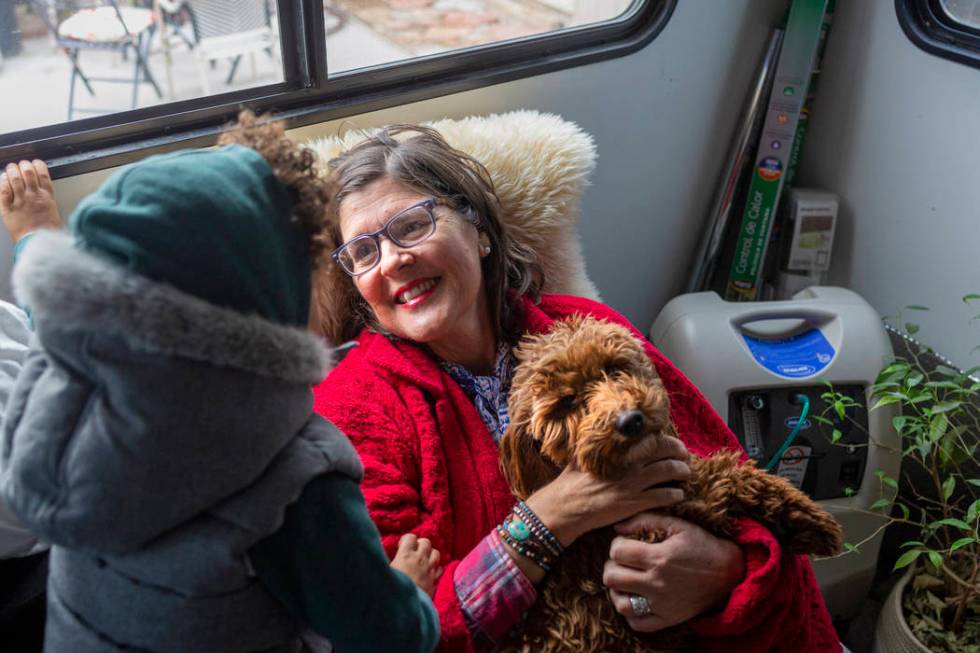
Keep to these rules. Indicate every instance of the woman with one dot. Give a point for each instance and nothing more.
(440, 297)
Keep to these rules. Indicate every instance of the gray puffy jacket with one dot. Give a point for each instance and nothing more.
(153, 438)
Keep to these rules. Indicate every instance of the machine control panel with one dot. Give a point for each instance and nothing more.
(764, 418)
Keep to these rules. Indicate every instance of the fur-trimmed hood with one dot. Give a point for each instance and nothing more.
(70, 289)
(145, 406)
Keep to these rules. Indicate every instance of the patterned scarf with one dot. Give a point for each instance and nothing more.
(489, 393)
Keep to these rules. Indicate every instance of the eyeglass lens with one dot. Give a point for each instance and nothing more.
(406, 229)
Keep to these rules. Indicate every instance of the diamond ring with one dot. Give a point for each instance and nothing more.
(640, 605)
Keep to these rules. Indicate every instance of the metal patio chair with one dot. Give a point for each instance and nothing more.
(100, 25)
(226, 30)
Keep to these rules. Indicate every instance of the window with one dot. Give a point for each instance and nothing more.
(947, 28)
(965, 12)
(384, 32)
(94, 83)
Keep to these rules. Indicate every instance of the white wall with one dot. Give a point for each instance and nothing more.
(896, 132)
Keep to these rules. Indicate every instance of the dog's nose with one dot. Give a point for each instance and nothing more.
(630, 423)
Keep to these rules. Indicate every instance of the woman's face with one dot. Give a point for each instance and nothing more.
(431, 293)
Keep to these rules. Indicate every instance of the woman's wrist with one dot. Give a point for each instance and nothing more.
(552, 514)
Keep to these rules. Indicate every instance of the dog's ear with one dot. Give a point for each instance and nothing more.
(524, 467)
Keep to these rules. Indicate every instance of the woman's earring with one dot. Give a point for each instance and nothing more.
(485, 250)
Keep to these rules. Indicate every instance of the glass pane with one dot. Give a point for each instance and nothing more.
(369, 32)
(966, 12)
(188, 48)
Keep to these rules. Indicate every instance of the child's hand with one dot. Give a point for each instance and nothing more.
(416, 558)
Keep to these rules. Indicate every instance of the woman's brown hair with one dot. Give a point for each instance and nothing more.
(294, 166)
(422, 160)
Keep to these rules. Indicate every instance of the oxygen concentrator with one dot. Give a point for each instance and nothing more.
(764, 367)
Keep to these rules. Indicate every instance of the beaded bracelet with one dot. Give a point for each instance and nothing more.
(527, 535)
(523, 510)
(523, 523)
(530, 549)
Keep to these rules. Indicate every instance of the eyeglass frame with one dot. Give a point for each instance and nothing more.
(375, 236)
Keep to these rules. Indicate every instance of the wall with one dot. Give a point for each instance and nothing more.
(662, 118)
(894, 132)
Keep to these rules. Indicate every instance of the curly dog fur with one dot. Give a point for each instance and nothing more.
(569, 396)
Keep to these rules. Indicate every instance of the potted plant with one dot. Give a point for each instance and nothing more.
(938, 601)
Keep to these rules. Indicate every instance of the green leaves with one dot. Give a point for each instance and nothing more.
(887, 398)
(973, 512)
(948, 486)
(960, 543)
(938, 423)
(945, 406)
(887, 480)
(899, 423)
(939, 430)
(937, 427)
(951, 521)
(906, 559)
(904, 509)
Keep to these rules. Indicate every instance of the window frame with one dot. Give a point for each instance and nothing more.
(308, 95)
(932, 29)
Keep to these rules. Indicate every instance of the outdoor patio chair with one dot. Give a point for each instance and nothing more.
(100, 25)
(226, 29)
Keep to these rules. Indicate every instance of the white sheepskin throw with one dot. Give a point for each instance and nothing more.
(540, 165)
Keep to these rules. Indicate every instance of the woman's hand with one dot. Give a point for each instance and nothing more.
(577, 502)
(686, 574)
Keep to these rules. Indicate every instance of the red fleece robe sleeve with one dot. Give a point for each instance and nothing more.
(383, 432)
(778, 605)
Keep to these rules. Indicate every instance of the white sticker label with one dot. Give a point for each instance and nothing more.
(792, 466)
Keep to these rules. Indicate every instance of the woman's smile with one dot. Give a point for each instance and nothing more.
(412, 294)
(432, 292)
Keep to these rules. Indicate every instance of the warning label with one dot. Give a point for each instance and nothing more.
(792, 466)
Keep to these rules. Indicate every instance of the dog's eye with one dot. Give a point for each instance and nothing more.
(566, 404)
(613, 368)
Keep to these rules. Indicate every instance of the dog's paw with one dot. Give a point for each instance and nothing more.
(815, 534)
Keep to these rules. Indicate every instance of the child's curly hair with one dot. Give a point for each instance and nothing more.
(294, 165)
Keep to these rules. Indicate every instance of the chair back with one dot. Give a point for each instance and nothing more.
(213, 18)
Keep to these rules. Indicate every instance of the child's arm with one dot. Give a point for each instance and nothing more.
(327, 567)
(15, 332)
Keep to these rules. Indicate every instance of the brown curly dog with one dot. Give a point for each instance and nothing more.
(586, 393)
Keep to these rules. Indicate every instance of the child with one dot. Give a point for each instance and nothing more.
(161, 434)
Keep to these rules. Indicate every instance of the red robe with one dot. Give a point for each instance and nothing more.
(431, 468)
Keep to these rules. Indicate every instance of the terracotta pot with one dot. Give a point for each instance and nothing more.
(893, 634)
